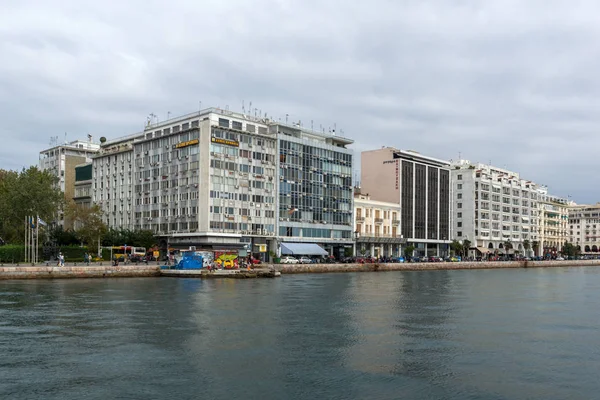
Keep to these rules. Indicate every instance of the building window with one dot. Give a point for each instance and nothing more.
(224, 123)
(459, 233)
(458, 205)
(459, 215)
(459, 196)
(459, 177)
(459, 186)
(459, 224)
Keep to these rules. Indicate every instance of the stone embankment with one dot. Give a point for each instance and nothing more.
(325, 268)
(99, 271)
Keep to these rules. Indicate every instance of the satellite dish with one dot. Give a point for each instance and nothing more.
(102, 139)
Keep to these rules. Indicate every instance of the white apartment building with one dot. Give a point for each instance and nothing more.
(553, 229)
(421, 186)
(61, 160)
(205, 179)
(584, 228)
(376, 227)
(492, 206)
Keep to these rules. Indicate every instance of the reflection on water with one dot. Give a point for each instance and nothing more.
(435, 334)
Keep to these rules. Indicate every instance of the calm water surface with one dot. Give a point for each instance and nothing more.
(504, 334)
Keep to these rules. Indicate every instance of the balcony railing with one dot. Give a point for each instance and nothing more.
(395, 222)
(379, 220)
(360, 219)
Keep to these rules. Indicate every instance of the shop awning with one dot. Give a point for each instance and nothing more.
(302, 249)
(483, 250)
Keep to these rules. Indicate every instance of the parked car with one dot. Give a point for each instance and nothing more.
(304, 260)
(289, 260)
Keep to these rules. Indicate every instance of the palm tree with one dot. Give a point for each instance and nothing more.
(535, 246)
(526, 246)
(466, 245)
(507, 246)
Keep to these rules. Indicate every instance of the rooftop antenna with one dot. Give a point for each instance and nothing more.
(250, 107)
(65, 137)
(459, 156)
(286, 118)
(200, 105)
(254, 112)
(311, 125)
(243, 107)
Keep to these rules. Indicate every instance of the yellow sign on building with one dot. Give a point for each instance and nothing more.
(262, 248)
(225, 141)
(186, 144)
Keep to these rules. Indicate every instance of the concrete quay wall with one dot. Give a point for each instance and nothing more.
(326, 268)
(42, 272)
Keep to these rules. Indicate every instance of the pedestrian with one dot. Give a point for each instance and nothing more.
(62, 260)
(86, 259)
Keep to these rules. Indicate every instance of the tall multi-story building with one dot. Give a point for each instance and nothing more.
(61, 160)
(553, 228)
(315, 190)
(376, 227)
(584, 227)
(421, 185)
(83, 188)
(113, 179)
(492, 206)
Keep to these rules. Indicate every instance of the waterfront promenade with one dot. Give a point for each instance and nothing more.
(267, 271)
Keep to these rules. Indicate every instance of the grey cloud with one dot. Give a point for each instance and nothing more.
(508, 81)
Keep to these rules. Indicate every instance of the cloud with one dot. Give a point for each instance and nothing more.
(509, 82)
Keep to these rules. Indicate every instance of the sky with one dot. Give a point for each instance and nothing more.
(507, 82)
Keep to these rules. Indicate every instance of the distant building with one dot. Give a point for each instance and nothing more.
(584, 228)
(377, 227)
(421, 185)
(61, 160)
(492, 206)
(83, 188)
(553, 228)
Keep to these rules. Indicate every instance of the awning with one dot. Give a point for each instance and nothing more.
(483, 250)
(302, 249)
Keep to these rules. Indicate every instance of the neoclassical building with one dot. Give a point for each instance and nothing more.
(553, 228)
(584, 227)
(376, 227)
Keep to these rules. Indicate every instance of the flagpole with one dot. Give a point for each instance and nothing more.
(37, 236)
(26, 238)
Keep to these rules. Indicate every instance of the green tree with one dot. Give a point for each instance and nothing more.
(144, 238)
(570, 250)
(466, 245)
(408, 251)
(507, 246)
(88, 220)
(456, 247)
(535, 245)
(29, 192)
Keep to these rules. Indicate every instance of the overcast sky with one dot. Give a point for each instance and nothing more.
(514, 83)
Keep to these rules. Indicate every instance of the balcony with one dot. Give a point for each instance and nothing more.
(381, 238)
(395, 222)
(360, 219)
(379, 220)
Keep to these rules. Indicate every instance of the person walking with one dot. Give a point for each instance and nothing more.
(61, 258)
(86, 259)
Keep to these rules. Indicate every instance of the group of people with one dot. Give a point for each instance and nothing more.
(60, 260)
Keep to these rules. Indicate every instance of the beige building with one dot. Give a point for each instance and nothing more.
(584, 227)
(553, 228)
(376, 227)
(61, 160)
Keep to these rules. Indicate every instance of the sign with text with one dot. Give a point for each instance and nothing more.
(225, 141)
(186, 144)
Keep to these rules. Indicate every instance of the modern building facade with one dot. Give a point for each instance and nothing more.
(61, 160)
(421, 185)
(584, 228)
(492, 206)
(553, 229)
(315, 192)
(221, 180)
(376, 227)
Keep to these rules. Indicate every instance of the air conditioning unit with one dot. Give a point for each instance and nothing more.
(251, 204)
(146, 153)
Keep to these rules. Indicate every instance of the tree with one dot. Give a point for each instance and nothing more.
(535, 245)
(456, 247)
(466, 244)
(570, 250)
(507, 246)
(144, 238)
(408, 251)
(526, 246)
(89, 222)
(29, 192)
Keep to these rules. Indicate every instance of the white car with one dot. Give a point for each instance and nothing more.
(304, 260)
(560, 259)
(289, 260)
